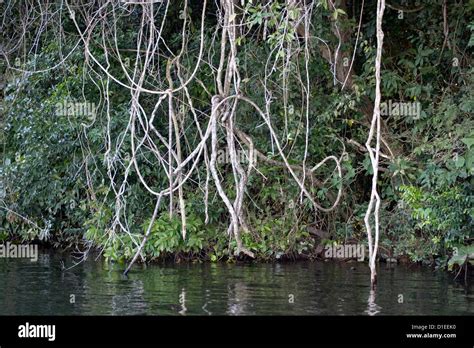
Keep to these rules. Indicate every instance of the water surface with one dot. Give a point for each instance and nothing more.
(300, 288)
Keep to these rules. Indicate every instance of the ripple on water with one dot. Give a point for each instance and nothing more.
(302, 288)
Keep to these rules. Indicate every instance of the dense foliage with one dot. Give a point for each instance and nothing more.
(56, 169)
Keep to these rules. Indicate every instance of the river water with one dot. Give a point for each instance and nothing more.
(301, 288)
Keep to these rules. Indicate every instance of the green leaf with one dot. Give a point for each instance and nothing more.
(468, 141)
(460, 162)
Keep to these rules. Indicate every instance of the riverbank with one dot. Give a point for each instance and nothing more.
(459, 266)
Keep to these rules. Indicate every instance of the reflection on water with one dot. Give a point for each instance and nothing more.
(372, 308)
(182, 301)
(302, 288)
